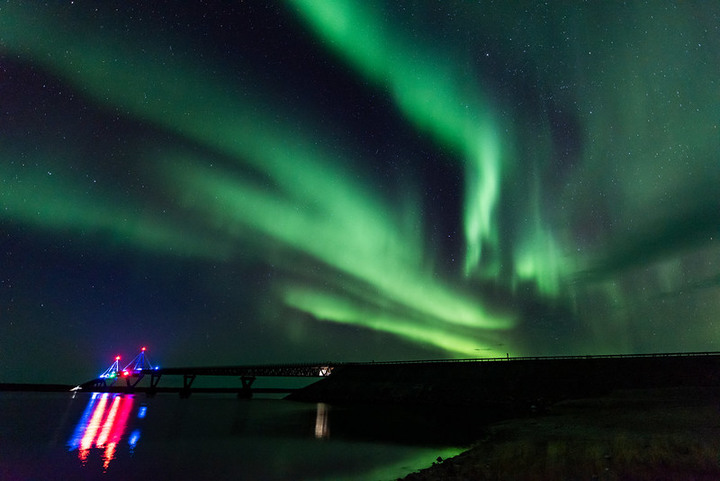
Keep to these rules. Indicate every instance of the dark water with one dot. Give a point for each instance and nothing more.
(55, 436)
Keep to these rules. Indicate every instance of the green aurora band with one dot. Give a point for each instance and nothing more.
(313, 207)
(620, 235)
(433, 93)
(648, 171)
(440, 95)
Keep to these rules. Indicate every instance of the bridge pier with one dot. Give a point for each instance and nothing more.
(131, 384)
(246, 391)
(154, 380)
(187, 384)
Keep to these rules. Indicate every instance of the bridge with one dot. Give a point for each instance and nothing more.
(572, 369)
(140, 367)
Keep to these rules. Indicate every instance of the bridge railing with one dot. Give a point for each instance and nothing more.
(279, 370)
(534, 358)
(322, 369)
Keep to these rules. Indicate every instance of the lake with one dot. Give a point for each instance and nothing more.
(59, 436)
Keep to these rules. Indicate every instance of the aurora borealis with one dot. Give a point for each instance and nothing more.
(237, 182)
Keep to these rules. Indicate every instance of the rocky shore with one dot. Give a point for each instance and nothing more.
(638, 435)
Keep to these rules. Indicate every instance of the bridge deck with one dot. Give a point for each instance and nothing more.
(279, 370)
(248, 373)
(323, 369)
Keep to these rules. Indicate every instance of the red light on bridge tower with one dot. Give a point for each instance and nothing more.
(139, 363)
(111, 372)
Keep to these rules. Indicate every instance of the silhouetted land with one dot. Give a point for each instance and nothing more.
(590, 418)
(513, 385)
(638, 435)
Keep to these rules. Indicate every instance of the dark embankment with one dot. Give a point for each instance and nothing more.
(639, 435)
(509, 385)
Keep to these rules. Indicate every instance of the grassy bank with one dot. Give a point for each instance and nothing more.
(633, 435)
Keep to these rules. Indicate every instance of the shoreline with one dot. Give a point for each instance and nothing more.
(639, 435)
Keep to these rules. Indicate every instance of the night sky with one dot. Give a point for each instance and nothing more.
(259, 182)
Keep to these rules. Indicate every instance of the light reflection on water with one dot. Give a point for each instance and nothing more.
(103, 425)
(125, 437)
(322, 430)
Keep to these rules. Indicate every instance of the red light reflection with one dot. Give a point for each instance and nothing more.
(104, 428)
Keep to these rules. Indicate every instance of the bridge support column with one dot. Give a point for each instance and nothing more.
(132, 383)
(246, 391)
(154, 380)
(187, 384)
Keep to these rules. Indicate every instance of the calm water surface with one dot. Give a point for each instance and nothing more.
(57, 436)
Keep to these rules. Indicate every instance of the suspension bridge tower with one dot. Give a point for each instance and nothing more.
(133, 372)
